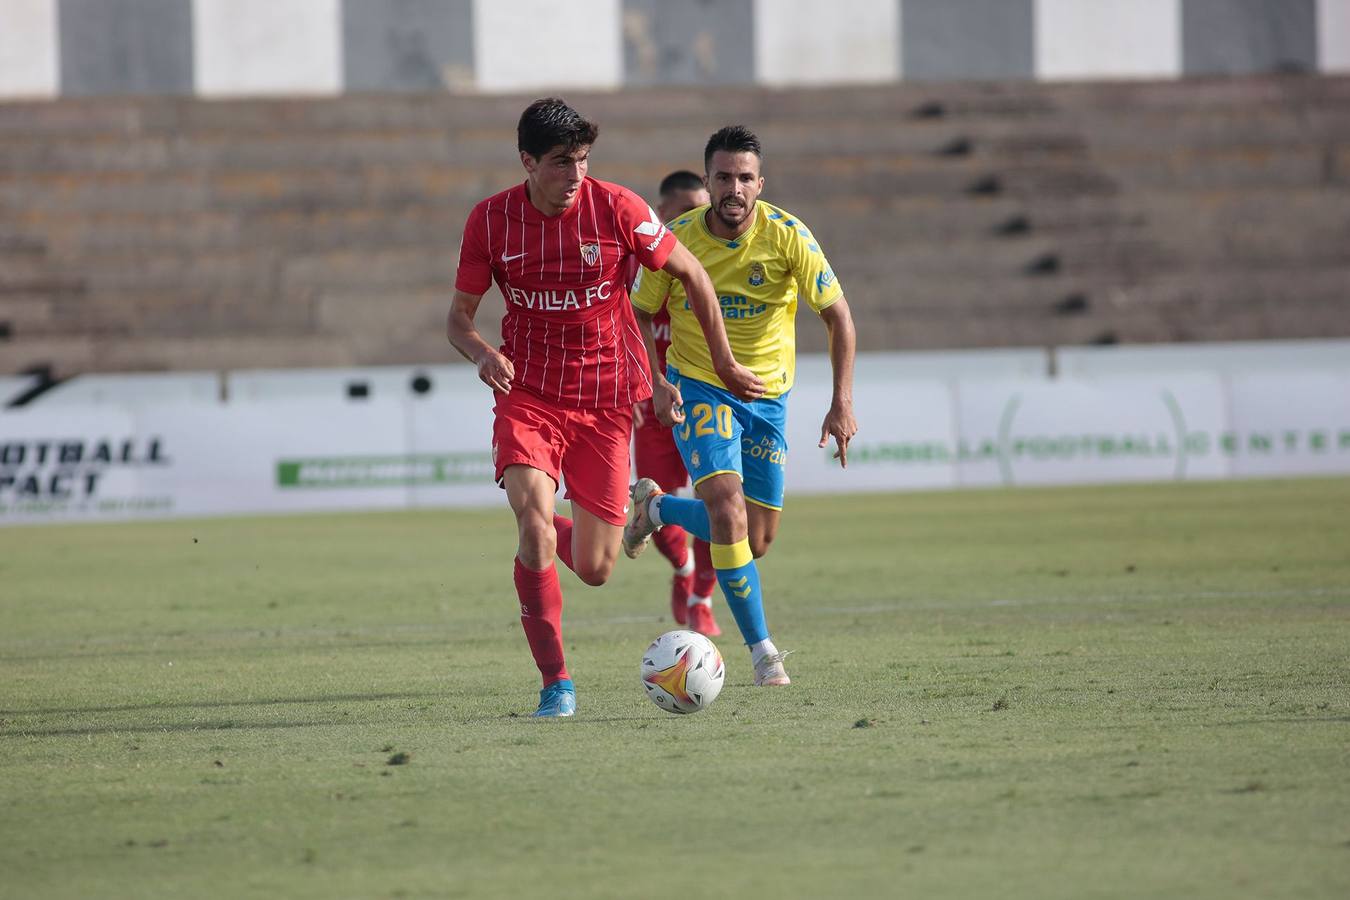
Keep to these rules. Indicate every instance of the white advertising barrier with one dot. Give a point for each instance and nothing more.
(1288, 424)
(104, 463)
(1024, 431)
(1064, 432)
(447, 429)
(370, 382)
(135, 389)
(401, 446)
(454, 427)
(101, 463)
(905, 428)
(12, 386)
(76, 463)
(238, 459)
(1230, 358)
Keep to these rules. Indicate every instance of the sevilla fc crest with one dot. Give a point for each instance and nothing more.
(590, 253)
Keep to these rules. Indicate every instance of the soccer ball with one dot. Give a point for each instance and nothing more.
(682, 671)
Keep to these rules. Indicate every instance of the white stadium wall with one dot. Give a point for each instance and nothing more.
(1082, 39)
(258, 47)
(28, 49)
(539, 44)
(1333, 35)
(107, 448)
(219, 48)
(800, 42)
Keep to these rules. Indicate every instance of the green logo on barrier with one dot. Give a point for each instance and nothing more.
(1046, 447)
(1179, 446)
(384, 471)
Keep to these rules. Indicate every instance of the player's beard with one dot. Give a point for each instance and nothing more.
(740, 211)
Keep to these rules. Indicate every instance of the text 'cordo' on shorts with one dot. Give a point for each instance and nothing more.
(723, 433)
(584, 449)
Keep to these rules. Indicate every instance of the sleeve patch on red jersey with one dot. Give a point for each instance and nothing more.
(652, 228)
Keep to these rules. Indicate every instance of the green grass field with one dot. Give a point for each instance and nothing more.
(1106, 692)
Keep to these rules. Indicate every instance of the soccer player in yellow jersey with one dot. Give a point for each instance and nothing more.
(762, 260)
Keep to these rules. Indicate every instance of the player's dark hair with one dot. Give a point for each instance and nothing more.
(549, 122)
(682, 180)
(732, 139)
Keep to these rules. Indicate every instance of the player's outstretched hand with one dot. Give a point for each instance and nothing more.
(840, 423)
(668, 403)
(496, 371)
(741, 381)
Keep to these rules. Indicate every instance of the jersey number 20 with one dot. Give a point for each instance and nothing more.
(705, 419)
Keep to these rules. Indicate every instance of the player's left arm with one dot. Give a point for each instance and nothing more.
(817, 285)
(839, 421)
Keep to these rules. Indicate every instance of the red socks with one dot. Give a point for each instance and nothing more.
(564, 550)
(673, 544)
(705, 577)
(541, 617)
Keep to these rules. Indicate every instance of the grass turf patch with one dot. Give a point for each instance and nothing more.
(1076, 692)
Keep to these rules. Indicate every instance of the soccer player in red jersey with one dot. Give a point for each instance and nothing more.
(572, 362)
(655, 455)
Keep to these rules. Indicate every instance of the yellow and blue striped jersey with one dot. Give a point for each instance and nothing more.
(758, 278)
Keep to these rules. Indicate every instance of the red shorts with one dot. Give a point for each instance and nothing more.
(656, 456)
(585, 448)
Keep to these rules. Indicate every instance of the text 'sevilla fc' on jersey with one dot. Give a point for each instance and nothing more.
(758, 277)
(569, 329)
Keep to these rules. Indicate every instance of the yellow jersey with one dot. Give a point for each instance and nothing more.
(758, 278)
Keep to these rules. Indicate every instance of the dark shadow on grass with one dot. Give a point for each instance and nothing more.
(287, 640)
(598, 720)
(214, 704)
(170, 728)
(283, 643)
(525, 717)
(1307, 720)
(1236, 723)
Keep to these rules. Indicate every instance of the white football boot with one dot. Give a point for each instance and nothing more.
(637, 534)
(769, 671)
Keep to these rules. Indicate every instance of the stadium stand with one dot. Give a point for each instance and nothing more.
(176, 233)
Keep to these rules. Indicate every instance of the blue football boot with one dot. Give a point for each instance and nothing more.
(557, 700)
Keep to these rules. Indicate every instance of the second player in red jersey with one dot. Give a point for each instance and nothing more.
(655, 455)
(571, 363)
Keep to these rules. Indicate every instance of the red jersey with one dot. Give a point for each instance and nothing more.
(569, 329)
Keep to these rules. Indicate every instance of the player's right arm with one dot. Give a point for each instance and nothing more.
(494, 369)
(472, 279)
(698, 287)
